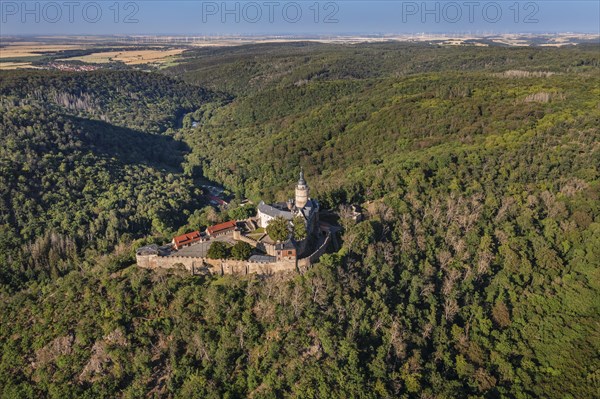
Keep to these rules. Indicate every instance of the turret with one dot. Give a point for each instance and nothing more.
(301, 191)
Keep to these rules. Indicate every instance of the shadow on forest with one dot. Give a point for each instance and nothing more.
(132, 146)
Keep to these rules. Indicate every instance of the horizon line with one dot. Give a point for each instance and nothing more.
(306, 34)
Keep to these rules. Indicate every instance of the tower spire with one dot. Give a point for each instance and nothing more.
(301, 191)
(301, 181)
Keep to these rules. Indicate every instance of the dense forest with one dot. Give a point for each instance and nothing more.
(84, 168)
(475, 272)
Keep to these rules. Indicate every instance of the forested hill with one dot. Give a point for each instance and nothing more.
(481, 171)
(82, 168)
(313, 105)
(138, 100)
(475, 273)
(247, 69)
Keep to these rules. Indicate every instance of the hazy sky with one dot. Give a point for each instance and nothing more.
(193, 17)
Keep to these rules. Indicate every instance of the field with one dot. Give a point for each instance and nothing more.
(20, 54)
(16, 55)
(133, 57)
(14, 65)
(34, 49)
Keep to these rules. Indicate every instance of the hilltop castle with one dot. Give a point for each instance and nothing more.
(302, 206)
(190, 250)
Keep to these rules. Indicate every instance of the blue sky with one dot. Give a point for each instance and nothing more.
(198, 17)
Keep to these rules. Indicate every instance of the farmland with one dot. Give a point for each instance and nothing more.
(132, 57)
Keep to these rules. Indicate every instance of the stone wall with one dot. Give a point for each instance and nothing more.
(229, 266)
(305, 263)
(314, 257)
(213, 266)
(240, 237)
(269, 249)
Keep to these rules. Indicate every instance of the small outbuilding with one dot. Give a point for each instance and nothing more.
(187, 239)
(222, 228)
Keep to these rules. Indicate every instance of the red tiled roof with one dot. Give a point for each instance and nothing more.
(186, 238)
(220, 227)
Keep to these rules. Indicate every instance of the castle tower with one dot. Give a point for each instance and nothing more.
(301, 191)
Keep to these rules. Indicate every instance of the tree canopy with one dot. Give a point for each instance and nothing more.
(299, 228)
(278, 229)
(241, 250)
(218, 250)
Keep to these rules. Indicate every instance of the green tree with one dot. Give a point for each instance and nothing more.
(299, 228)
(358, 237)
(241, 250)
(218, 250)
(241, 212)
(278, 229)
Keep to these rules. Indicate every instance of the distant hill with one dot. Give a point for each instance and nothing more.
(149, 102)
(245, 69)
(345, 110)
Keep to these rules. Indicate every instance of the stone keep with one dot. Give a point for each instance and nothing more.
(301, 192)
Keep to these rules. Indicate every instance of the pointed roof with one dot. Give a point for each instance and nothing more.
(301, 181)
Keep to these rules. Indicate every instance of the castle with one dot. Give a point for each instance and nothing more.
(189, 251)
(302, 207)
